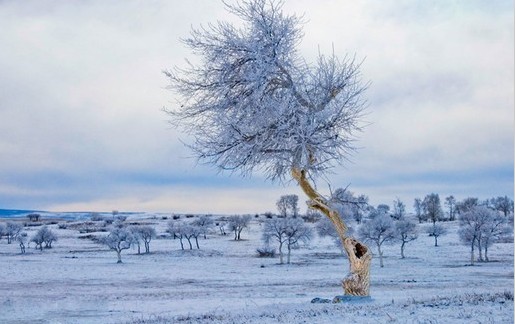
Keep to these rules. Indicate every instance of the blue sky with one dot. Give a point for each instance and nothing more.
(81, 126)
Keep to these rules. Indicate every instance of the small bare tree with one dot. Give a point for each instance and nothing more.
(379, 230)
(12, 230)
(119, 239)
(417, 205)
(274, 230)
(2, 230)
(204, 223)
(237, 224)
(436, 230)
(480, 227)
(252, 103)
(143, 233)
(405, 232)
(22, 240)
(296, 232)
(503, 204)
(44, 235)
(432, 207)
(286, 231)
(185, 231)
(288, 205)
(399, 209)
(496, 228)
(450, 202)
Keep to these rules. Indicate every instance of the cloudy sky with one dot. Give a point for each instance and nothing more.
(82, 92)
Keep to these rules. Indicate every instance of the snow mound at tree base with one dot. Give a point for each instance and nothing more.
(342, 299)
(464, 308)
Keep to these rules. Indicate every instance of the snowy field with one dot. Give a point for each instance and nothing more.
(79, 281)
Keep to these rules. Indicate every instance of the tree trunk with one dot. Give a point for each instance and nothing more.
(402, 249)
(357, 282)
(281, 252)
(380, 255)
(436, 240)
(289, 254)
(182, 245)
(486, 252)
(472, 253)
(480, 258)
(196, 242)
(119, 254)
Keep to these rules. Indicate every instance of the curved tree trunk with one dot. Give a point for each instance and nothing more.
(357, 282)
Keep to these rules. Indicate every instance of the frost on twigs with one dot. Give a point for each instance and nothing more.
(252, 103)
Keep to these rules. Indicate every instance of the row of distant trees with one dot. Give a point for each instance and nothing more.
(482, 223)
(430, 208)
(13, 231)
(124, 237)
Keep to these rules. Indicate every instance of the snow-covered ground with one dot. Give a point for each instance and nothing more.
(79, 281)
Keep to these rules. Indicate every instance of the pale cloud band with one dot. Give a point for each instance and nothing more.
(81, 92)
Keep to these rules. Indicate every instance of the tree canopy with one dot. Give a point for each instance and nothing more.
(252, 102)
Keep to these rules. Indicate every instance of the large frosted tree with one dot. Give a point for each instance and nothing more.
(251, 103)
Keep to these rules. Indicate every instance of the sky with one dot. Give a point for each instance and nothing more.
(82, 93)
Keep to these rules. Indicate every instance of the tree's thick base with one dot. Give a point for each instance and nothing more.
(357, 282)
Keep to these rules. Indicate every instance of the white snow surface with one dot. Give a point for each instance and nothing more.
(79, 281)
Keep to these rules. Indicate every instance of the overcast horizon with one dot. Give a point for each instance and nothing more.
(82, 92)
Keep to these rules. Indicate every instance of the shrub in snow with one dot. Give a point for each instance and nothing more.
(96, 217)
(266, 252)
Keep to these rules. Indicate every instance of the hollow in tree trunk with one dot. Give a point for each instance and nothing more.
(357, 282)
